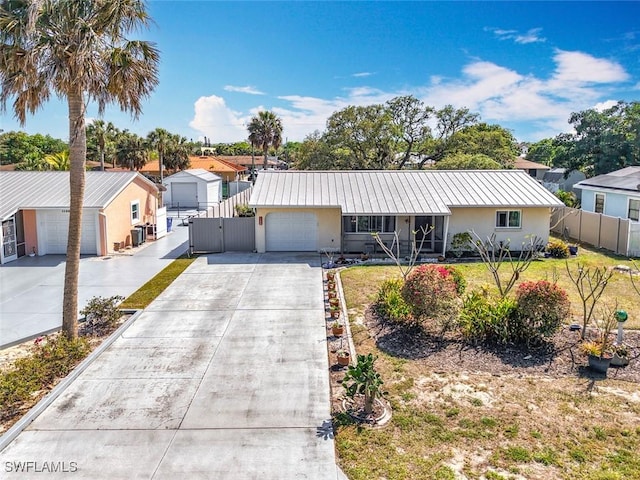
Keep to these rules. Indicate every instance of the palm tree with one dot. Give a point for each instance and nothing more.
(265, 130)
(159, 140)
(102, 133)
(131, 150)
(58, 161)
(176, 155)
(76, 50)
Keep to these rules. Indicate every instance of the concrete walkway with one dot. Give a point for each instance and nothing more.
(31, 287)
(223, 376)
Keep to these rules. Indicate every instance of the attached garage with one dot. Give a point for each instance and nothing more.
(54, 229)
(34, 211)
(291, 232)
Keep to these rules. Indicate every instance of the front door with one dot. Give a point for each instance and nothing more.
(9, 240)
(424, 227)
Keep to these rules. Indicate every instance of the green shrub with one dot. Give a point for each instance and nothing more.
(431, 292)
(484, 320)
(542, 308)
(390, 303)
(461, 283)
(244, 210)
(558, 249)
(101, 314)
(50, 358)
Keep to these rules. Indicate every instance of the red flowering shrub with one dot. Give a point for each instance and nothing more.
(542, 307)
(431, 292)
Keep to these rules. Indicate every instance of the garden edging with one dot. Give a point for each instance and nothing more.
(48, 399)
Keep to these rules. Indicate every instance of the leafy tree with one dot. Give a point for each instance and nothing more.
(17, 147)
(449, 121)
(466, 161)
(365, 134)
(543, 152)
(315, 154)
(491, 140)
(33, 164)
(160, 140)
(78, 51)
(568, 198)
(409, 117)
(603, 141)
(265, 131)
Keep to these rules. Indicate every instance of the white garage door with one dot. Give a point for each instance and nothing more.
(184, 194)
(292, 232)
(55, 226)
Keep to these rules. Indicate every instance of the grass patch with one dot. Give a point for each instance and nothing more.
(523, 426)
(142, 297)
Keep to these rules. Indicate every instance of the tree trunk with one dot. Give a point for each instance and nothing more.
(264, 165)
(77, 160)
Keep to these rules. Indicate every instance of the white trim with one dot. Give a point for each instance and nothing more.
(604, 202)
(507, 211)
(629, 199)
(134, 221)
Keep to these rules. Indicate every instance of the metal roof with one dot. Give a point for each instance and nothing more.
(200, 173)
(31, 190)
(624, 179)
(404, 192)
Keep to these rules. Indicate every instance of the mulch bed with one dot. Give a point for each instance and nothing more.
(560, 357)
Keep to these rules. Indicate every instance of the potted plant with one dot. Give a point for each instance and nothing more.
(343, 358)
(600, 350)
(337, 329)
(334, 302)
(331, 285)
(332, 294)
(335, 311)
(331, 275)
(620, 355)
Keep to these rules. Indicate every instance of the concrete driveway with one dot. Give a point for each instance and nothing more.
(223, 376)
(31, 287)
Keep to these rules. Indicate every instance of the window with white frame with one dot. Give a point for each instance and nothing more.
(634, 210)
(508, 219)
(368, 223)
(135, 212)
(599, 203)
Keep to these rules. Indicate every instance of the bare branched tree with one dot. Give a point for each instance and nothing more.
(590, 283)
(494, 254)
(393, 251)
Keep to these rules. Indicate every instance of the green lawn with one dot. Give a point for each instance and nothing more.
(474, 425)
(363, 281)
(142, 297)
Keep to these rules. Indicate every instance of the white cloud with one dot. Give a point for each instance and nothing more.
(362, 74)
(215, 120)
(500, 94)
(531, 36)
(602, 106)
(248, 89)
(581, 68)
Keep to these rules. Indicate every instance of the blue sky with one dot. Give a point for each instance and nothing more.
(523, 65)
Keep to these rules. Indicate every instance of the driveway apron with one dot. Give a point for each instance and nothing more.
(223, 376)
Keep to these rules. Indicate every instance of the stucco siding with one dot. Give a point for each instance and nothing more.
(118, 212)
(329, 226)
(534, 221)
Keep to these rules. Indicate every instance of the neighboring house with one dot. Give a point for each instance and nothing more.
(193, 188)
(338, 210)
(533, 169)
(34, 209)
(616, 194)
(229, 172)
(554, 180)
